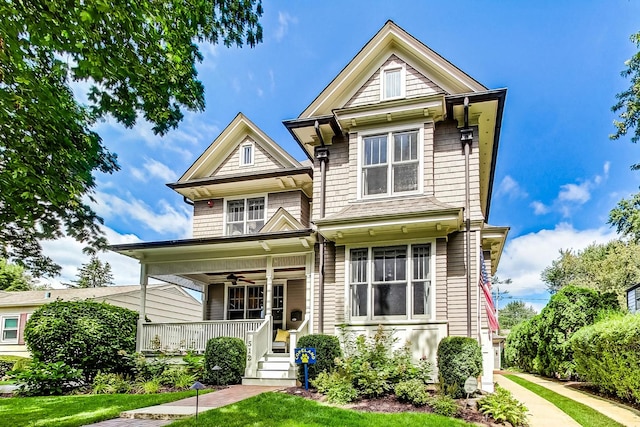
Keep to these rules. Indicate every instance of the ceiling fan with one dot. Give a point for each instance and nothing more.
(234, 279)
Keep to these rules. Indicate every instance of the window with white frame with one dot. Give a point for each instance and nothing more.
(390, 168)
(392, 82)
(245, 302)
(10, 328)
(391, 282)
(246, 154)
(245, 216)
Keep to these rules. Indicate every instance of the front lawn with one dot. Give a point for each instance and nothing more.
(280, 409)
(72, 411)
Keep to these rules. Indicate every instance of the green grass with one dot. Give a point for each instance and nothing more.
(584, 415)
(72, 411)
(280, 409)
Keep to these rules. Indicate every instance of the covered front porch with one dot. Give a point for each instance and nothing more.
(249, 289)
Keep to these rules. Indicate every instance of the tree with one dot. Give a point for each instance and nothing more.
(628, 104)
(625, 217)
(13, 277)
(138, 58)
(515, 313)
(93, 274)
(562, 271)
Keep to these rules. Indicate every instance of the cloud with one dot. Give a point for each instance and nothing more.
(153, 169)
(510, 187)
(578, 193)
(525, 257)
(539, 208)
(284, 19)
(163, 218)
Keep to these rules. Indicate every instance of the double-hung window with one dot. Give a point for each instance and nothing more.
(391, 282)
(10, 329)
(245, 216)
(390, 163)
(245, 302)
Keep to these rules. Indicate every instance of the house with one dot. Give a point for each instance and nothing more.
(385, 222)
(165, 303)
(633, 298)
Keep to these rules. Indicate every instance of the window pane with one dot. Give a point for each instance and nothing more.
(389, 300)
(421, 262)
(375, 150)
(235, 229)
(10, 323)
(235, 211)
(405, 146)
(389, 264)
(255, 208)
(421, 296)
(246, 155)
(375, 180)
(359, 300)
(392, 83)
(405, 177)
(359, 265)
(10, 335)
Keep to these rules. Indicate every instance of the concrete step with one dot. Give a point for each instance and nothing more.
(277, 382)
(266, 373)
(276, 357)
(274, 365)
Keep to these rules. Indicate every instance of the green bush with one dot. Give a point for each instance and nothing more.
(228, 353)
(606, 354)
(502, 406)
(413, 391)
(45, 379)
(146, 368)
(327, 349)
(444, 405)
(8, 363)
(177, 377)
(194, 365)
(85, 335)
(336, 386)
(458, 359)
(108, 383)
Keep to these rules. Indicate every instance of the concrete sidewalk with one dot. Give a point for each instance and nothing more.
(622, 414)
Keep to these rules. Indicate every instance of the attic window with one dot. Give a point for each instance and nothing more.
(246, 154)
(392, 80)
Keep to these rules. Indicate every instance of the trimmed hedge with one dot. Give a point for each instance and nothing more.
(458, 359)
(87, 335)
(607, 355)
(228, 353)
(327, 349)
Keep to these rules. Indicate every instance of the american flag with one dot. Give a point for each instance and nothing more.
(485, 284)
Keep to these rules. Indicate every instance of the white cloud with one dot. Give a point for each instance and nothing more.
(510, 187)
(163, 218)
(539, 208)
(284, 19)
(579, 193)
(153, 169)
(525, 257)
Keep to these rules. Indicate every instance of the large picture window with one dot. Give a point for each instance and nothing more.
(245, 216)
(391, 281)
(390, 163)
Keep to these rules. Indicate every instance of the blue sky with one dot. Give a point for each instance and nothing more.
(558, 174)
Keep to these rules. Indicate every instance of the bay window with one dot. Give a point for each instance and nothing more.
(391, 282)
(245, 216)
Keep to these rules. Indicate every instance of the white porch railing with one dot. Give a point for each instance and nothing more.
(258, 342)
(182, 336)
(293, 338)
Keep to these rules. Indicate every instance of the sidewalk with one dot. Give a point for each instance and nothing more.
(161, 415)
(619, 413)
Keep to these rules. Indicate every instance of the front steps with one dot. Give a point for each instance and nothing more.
(274, 370)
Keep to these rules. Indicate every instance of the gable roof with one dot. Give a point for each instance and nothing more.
(391, 39)
(282, 220)
(223, 146)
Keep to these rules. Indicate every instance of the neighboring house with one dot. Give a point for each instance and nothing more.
(633, 298)
(164, 303)
(384, 224)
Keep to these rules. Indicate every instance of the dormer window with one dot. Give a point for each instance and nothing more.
(246, 154)
(245, 216)
(392, 80)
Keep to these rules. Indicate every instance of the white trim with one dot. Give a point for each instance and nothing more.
(402, 67)
(225, 202)
(17, 329)
(241, 153)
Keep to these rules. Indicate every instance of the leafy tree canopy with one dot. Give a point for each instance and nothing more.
(515, 313)
(138, 58)
(13, 277)
(628, 105)
(93, 274)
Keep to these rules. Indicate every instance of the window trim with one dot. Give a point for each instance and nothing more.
(16, 340)
(241, 152)
(226, 201)
(262, 283)
(403, 80)
(390, 131)
(409, 317)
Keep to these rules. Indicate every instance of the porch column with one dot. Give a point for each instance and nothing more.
(308, 270)
(269, 291)
(143, 305)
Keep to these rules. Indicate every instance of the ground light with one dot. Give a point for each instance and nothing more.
(197, 386)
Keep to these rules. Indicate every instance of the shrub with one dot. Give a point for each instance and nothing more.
(194, 365)
(413, 391)
(146, 368)
(151, 386)
(458, 359)
(336, 387)
(606, 354)
(85, 335)
(327, 349)
(45, 379)
(7, 363)
(108, 383)
(177, 377)
(444, 405)
(501, 406)
(228, 353)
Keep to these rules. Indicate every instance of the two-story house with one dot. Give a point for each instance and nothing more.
(385, 223)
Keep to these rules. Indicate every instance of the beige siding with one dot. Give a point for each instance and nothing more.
(215, 304)
(291, 201)
(262, 161)
(341, 178)
(305, 210)
(333, 288)
(428, 185)
(416, 85)
(163, 305)
(449, 169)
(295, 301)
(457, 285)
(441, 279)
(208, 220)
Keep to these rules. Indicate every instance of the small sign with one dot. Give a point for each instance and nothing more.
(470, 385)
(305, 355)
